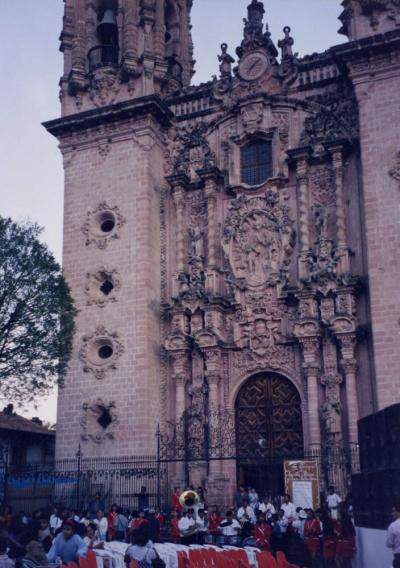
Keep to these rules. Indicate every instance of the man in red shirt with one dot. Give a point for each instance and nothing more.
(262, 532)
(176, 506)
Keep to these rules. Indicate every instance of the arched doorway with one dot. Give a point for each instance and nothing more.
(268, 431)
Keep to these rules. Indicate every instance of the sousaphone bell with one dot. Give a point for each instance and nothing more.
(189, 498)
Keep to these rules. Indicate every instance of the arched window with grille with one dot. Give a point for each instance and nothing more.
(256, 161)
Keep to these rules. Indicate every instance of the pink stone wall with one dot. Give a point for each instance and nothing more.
(379, 134)
(126, 177)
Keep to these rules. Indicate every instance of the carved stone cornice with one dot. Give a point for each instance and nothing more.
(135, 108)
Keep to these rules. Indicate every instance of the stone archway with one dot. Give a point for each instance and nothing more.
(268, 430)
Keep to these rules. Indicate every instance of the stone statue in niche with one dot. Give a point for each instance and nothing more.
(196, 242)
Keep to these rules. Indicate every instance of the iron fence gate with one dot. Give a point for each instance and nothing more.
(74, 482)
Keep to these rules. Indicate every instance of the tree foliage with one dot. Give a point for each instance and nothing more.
(36, 315)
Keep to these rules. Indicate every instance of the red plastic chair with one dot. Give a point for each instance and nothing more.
(282, 562)
(91, 559)
(83, 563)
(196, 558)
(183, 561)
(266, 560)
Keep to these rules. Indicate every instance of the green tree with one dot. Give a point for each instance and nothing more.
(36, 315)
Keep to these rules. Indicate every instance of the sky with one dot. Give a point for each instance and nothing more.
(31, 174)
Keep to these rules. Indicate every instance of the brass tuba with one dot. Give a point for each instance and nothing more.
(189, 498)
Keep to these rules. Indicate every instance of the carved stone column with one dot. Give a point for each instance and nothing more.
(214, 381)
(211, 176)
(301, 156)
(311, 367)
(337, 162)
(129, 54)
(180, 376)
(179, 183)
(77, 79)
(349, 366)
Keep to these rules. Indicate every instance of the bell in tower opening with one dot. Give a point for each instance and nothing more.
(106, 53)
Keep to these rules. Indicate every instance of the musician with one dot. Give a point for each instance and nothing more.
(267, 507)
(312, 534)
(188, 528)
(214, 520)
(202, 526)
(246, 518)
(176, 506)
(288, 507)
(174, 528)
(230, 529)
(262, 532)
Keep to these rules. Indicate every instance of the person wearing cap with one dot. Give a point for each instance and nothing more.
(67, 545)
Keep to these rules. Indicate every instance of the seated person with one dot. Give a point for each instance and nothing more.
(230, 528)
(44, 533)
(141, 549)
(92, 539)
(67, 545)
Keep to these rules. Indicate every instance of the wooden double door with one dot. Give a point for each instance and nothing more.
(268, 431)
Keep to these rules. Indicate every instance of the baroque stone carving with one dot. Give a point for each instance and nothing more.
(99, 351)
(322, 185)
(253, 35)
(102, 286)
(189, 149)
(258, 239)
(99, 421)
(104, 86)
(335, 118)
(252, 115)
(103, 224)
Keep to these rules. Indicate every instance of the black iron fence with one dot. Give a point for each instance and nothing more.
(74, 482)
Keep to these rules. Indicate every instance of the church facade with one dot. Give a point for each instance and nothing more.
(232, 247)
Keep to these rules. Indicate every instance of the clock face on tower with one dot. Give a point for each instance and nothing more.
(253, 66)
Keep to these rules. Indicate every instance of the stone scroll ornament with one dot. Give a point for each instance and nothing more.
(98, 421)
(258, 240)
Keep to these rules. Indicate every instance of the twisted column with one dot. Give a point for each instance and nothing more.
(302, 180)
(180, 237)
(337, 162)
(210, 190)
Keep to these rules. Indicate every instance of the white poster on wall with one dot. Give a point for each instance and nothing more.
(302, 494)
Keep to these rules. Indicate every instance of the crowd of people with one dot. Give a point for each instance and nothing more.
(321, 538)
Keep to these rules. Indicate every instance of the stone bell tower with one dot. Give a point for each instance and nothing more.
(121, 57)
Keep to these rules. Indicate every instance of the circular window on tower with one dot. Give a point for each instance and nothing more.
(102, 286)
(100, 351)
(102, 224)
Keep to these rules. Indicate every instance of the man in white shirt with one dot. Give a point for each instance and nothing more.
(187, 527)
(287, 507)
(246, 513)
(230, 529)
(267, 507)
(393, 535)
(333, 501)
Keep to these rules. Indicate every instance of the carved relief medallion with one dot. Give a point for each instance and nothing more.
(258, 239)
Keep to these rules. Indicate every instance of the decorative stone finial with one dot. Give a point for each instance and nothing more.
(253, 36)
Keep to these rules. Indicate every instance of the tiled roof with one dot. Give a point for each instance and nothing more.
(20, 424)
